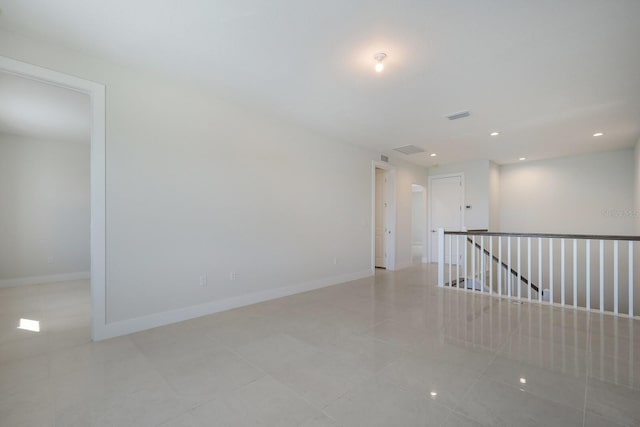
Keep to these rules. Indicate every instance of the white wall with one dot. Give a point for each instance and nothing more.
(476, 190)
(197, 186)
(587, 194)
(44, 220)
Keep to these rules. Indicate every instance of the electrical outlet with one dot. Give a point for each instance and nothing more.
(335, 260)
(203, 280)
(232, 275)
(50, 260)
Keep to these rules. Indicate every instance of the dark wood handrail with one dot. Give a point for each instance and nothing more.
(544, 235)
(513, 272)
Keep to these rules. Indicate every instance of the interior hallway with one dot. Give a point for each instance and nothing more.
(388, 350)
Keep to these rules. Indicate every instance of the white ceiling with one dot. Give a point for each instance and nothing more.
(547, 74)
(34, 109)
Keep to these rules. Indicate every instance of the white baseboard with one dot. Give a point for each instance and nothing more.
(39, 280)
(137, 324)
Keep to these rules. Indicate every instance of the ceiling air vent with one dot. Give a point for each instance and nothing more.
(409, 149)
(458, 115)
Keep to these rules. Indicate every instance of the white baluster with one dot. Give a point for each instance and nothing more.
(562, 273)
(615, 277)
(458, 261)
(473, 261)
(440, 257)
(490, 265)
(519, 282)
(450, 257)
(529, 268)
(540, 287)
(466, 269)
(630, 278)
(508, 277)
(482, 264)
(551, 271)
(601, 275)
(588, 273)
(499, 271)
(575, 273)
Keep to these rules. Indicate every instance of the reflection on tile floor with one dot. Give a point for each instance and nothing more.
(388, 350)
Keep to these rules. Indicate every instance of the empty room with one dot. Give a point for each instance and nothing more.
(293, 213)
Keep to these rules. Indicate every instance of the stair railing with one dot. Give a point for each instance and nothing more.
(568, 272)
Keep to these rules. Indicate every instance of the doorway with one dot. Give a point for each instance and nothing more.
(418, 224)
(45, 246)
(446, 202)
(383, 216)
(97, 178)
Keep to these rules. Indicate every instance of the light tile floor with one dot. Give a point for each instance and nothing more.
(392, 350)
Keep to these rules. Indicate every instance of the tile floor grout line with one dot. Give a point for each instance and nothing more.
(216, 396)
(168, 384)
(152, 365)
(267, 374)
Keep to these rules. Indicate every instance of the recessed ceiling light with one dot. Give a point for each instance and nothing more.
(598, 134)
(523, 380)
(494, 133)
(433, 154)
(434, 394)
(522, 158)
(379, 57)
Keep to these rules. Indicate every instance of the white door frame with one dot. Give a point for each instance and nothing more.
(391, 216)
(430, 214)
(96, 92)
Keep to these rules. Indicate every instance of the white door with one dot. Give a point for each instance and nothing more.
(446, 204)
(382, 206)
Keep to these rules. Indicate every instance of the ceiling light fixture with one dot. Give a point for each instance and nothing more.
(494, 133)
(522, 158)
(598, 134)
(433, 154)
(523, 380)
(379, 57)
